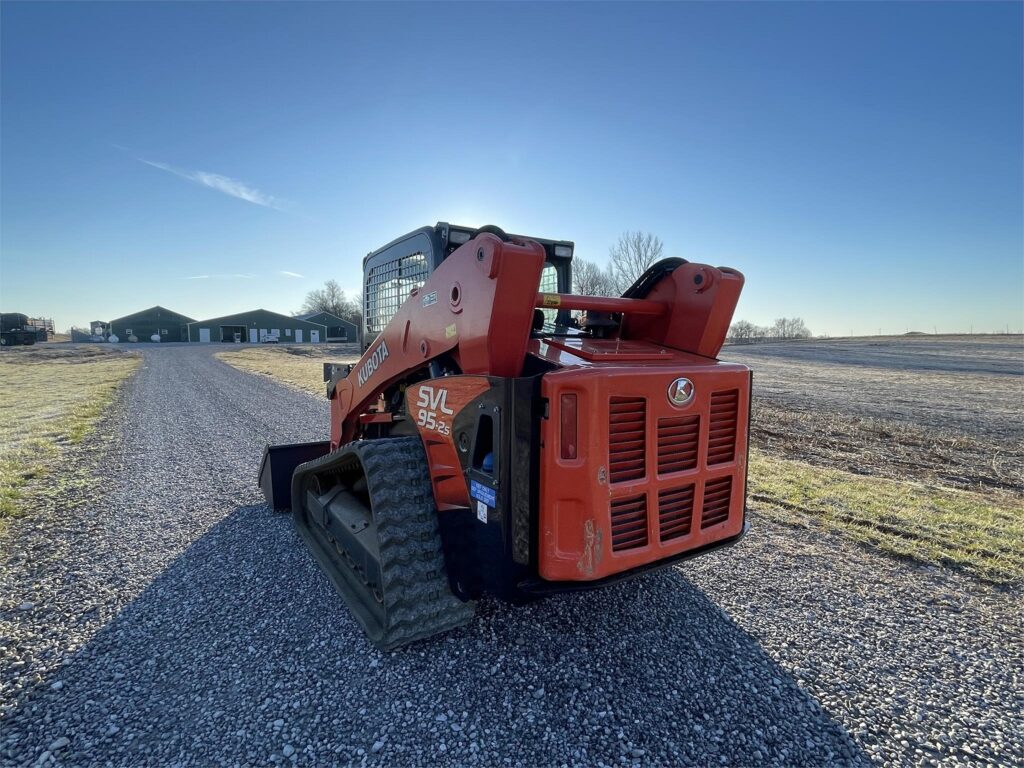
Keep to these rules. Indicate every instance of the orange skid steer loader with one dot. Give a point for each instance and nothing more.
(488, 441)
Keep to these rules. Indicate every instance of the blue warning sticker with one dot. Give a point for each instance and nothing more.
(481, 492)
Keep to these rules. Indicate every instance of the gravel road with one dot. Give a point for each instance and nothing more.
(169, 618)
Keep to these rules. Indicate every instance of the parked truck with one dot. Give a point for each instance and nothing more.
(16, 330)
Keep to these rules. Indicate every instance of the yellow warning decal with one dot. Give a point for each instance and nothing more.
(449, 332)
(552, 300)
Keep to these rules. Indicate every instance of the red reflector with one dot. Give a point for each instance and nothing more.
(567, 417)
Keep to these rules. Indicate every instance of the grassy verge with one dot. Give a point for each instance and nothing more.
(298, 367)
(980, 533)
(50, 399)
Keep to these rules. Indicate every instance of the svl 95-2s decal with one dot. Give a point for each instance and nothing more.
(429, 403)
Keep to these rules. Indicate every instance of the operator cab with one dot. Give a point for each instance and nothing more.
(391, 272)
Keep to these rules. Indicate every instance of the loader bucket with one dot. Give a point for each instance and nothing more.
(279, 462)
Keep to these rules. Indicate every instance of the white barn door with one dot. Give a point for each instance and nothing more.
(204, 334)
(254, 336)
(314, 336)
(298, 335)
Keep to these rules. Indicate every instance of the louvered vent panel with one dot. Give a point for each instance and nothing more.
(627, 438)
(722, 426)
(717, 495)
(675, 512)
(629, 522)
(677, 443)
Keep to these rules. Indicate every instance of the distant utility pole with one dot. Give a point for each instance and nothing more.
(934, 331)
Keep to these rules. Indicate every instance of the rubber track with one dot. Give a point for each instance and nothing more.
(418, 601)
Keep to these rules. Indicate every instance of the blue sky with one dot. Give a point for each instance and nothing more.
(860, 163)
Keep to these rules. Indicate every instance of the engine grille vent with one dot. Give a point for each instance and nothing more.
(722, 426)
(627, 438)
(629, 522)
(675, 512)
(717, 495)
(677, 443)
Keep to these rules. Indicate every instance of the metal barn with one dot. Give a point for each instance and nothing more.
(154, 322)
(338, 329)
(257, 326)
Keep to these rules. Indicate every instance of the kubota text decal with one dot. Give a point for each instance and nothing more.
(380, 354)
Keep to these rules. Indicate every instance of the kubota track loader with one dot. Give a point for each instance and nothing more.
(489, 442)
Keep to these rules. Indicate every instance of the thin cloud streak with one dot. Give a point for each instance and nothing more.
(223, 184)
(286, 273)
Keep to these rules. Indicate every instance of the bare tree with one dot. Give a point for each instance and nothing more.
(356, 303)
(589, 279)
(332, 299)
(743, 332)
(631, 256)
(790, 328)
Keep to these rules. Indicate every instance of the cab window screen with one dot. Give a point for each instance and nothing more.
(388, 286)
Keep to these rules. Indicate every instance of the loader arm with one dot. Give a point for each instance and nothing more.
(477, 306)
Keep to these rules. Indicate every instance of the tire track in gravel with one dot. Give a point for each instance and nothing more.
(181, 622)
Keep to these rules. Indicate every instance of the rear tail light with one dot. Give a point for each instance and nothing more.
(568, 420)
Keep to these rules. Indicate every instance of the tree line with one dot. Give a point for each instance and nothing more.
(745, 332)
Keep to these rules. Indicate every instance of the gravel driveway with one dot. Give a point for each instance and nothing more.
(172, 619)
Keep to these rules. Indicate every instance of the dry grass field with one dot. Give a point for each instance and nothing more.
(914, 445)
(298, 366)
(50, 398)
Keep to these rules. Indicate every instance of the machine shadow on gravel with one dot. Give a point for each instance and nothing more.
(241, 645)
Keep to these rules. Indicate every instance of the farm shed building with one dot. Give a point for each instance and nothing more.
(255, 326)
(338, 329)
(168, 325)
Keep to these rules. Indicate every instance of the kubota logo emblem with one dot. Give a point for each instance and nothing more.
(680, 392)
